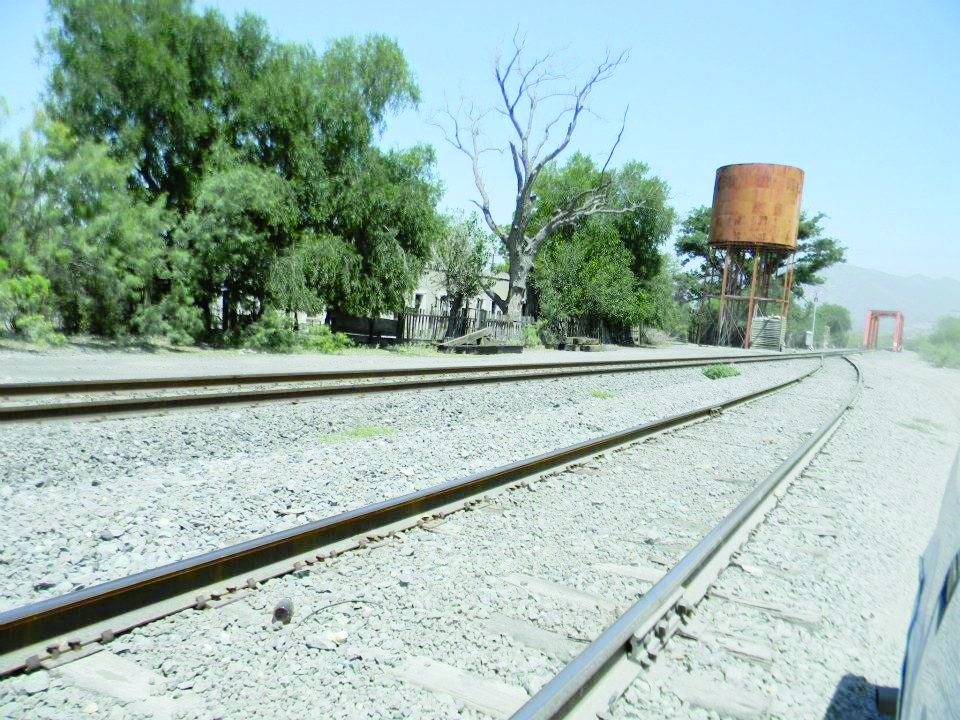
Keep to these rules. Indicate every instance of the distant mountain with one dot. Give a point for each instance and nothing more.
(921, 299)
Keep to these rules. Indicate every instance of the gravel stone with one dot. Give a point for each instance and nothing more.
(844, 542)
(467, 570)
(333, 455)
(35, 682)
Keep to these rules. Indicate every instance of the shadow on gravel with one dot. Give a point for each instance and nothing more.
(854, 698)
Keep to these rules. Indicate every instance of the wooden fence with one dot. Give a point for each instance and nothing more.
(426, 327)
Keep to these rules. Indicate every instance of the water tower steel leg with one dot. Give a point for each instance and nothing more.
(752, 302)
(723, 295)
(785, 300)
(866, 329)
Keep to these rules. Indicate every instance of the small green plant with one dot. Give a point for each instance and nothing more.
(532, 337)
(715, 372)
(360, 432)
(602, 394)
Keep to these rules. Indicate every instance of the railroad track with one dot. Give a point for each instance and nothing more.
(50, 632)
(601, 673)
(166, 393)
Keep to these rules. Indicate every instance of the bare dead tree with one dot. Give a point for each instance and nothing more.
(522, 90)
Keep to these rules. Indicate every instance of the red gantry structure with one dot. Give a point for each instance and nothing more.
(873, 324)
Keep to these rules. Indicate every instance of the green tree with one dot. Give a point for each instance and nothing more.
(586, 274)
(607, 266)
(815, 252)
(297, 275)
(837, 319)
(264, 150)
(151, 79)
(663, 300)
(387, 219)
(460, 259)
(693, 239)
(93, 247)
(103, 242)
(242, 220)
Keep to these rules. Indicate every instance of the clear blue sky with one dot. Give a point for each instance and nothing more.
(862, 95)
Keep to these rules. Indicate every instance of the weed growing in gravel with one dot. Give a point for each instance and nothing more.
(921, 425)
(360, 432)
(602, 394)
(715, 372)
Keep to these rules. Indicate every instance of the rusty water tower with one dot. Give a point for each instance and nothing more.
(756, 214)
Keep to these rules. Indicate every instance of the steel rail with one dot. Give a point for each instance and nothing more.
(675, 594)
(69, 386)
(490, 374)
(41, 630)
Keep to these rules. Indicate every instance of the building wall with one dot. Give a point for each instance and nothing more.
(431, 297)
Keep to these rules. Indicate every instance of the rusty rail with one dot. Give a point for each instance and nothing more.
(39, 632)
(654, 617)
(455, 376)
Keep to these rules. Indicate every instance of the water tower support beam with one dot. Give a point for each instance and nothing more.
(723, 295)
(785, 300)
(752, 302)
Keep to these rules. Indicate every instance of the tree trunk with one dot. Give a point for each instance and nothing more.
(207, 315)
(519, 275)
(225, 321)
(401, 321)
(453, 329)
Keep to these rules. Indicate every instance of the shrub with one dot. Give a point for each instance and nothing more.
(322, 339)
(532, 337)
(547, 335)
(715, 372)
(37, 329)
(274, 332)
(942, 347)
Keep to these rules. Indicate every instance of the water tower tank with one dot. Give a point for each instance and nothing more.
(756, 204)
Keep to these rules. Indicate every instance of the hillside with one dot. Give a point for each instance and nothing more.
(921, 299)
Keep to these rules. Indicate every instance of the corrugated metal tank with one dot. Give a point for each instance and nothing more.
(756, 204)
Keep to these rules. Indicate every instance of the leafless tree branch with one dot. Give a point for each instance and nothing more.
(515, 81)
(623, 124)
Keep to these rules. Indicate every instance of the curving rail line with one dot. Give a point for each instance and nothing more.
(605, 668)
(38, 634)
(357, 382)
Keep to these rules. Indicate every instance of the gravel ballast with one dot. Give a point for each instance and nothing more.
(843, 544)
(80, 364)
(88, 502)
(550, 557)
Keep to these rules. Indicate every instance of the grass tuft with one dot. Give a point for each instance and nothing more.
(715, 372)
(360, 432)
(602, 394)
